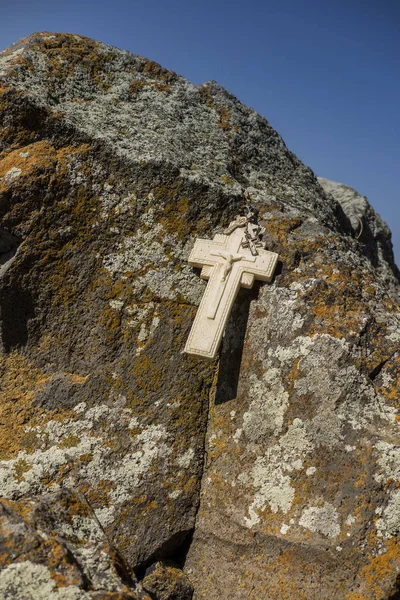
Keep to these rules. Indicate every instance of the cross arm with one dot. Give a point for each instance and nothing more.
(204, 250)
(263, 267)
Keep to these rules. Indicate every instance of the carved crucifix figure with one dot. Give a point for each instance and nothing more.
(228, 265)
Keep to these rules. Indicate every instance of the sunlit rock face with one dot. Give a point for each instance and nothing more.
(272, 472)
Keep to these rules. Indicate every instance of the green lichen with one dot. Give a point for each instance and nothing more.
(69, 442)
(20, 468)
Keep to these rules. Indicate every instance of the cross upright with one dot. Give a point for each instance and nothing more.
(228, 266)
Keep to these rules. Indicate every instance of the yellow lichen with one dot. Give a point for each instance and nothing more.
(20, 381)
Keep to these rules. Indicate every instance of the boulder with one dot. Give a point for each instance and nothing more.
(167, 582)
(273, 471)
(372, 232)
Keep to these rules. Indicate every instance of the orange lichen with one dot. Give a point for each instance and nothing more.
(374, 578)
(176, 217)
(224, 118)
(20, 382)
(65, 53)
(390, 390)
(40, 155)
(140, 84)
(98, 495)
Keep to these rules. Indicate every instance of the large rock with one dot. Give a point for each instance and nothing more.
(372, 232)
(110, 167)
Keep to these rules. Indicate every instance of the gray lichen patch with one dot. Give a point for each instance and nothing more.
(91, 551)
(144, 258)
(267, 409)
(270, 474)
(149, 445)
(12, 174)
(321, 519)
(34, 581)
(388, 461)
(388, 524)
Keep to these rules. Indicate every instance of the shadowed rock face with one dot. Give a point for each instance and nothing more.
(372, 232)
(110, 167)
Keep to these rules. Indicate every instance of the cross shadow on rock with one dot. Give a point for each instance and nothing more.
(232, 345)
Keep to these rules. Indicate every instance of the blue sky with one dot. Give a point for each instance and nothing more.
(325, 74)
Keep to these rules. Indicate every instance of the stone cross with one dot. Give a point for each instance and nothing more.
(228, 265)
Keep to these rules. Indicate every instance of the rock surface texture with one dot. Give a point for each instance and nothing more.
(129, 470)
